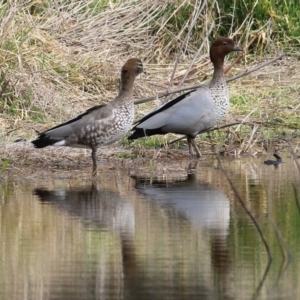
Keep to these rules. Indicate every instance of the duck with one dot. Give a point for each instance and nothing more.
(100, 125)
(196, 111)
(274, 163)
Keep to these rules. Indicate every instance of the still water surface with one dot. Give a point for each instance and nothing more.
(164, 234)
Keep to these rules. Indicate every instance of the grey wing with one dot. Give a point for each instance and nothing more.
(191, 115)
(97, 113)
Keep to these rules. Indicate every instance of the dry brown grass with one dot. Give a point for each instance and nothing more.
(59, 58)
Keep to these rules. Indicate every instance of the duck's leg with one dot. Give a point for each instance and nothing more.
(192, 144)
(189, 141)
(198, 152)
(94, 158)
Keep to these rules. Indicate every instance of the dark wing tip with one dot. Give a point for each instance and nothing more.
(43, 141)
(138, 132)
(142, 132)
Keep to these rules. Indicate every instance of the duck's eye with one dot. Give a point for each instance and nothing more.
(224, 43)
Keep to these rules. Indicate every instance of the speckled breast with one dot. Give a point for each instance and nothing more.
(124, 116)
(220, 96)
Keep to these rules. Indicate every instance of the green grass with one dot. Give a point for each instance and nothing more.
(5, 165)
(125, 155)
(277, 20)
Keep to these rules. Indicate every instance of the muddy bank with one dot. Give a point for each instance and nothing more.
(21, 161)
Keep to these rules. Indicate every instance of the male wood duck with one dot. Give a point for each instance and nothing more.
(195, 111)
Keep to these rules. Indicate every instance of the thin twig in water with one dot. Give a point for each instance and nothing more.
(287, 256)
(262, 280)
(297, 199)
(248, 212)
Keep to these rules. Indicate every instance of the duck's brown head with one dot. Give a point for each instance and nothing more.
(220, 48)
(134, 66)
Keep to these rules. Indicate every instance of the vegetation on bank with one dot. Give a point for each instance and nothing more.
(58, 58)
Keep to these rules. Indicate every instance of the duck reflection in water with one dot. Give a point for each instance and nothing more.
(106, 210)
(200, 204)
(101, 207)
(191, 203)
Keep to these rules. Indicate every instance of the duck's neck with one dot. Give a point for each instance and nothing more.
(218, 63)
(126, 85)
(218, 75)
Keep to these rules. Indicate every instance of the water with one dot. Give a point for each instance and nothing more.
(172, 231)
